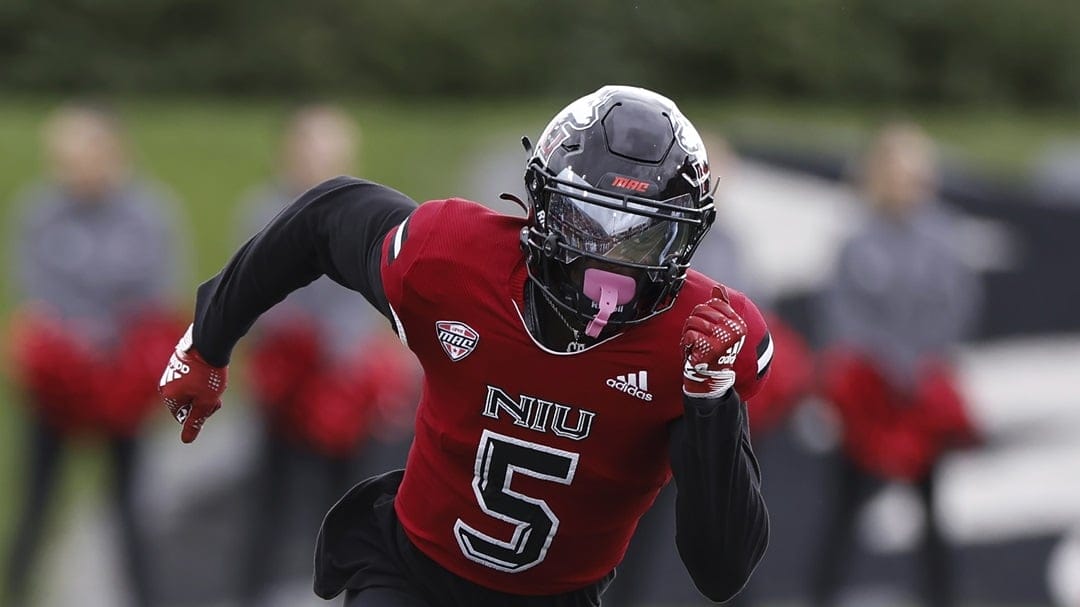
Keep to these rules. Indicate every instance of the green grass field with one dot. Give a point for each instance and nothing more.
(210, 152)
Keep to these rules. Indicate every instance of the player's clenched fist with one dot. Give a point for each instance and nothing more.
(712, 337)
(191, 387)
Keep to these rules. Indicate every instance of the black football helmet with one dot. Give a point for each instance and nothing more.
(620, 199)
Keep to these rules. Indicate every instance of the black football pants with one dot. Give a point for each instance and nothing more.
(363, 550)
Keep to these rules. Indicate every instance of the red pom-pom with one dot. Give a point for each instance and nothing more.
(394, 376)
(942, 408)
(879, 432)
(282, 363)
(893, 433)
(132, 375)
(57, 371)
(335, 413)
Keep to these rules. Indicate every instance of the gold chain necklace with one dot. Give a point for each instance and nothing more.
(575, 345)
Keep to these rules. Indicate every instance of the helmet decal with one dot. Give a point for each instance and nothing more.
(579, 115)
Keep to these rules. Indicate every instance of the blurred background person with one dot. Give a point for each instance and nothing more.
(325, 371)
(900, 299)
(96, 264)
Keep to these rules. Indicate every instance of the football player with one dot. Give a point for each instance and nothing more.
(573, 366)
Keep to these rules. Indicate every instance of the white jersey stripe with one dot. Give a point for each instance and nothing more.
(398, 236)
(399, 328)
(766, 357)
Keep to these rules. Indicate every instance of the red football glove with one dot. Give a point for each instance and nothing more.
(711, 340)
(191, 387)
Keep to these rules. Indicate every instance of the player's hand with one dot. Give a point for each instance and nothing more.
(191, 387)
(712, 337)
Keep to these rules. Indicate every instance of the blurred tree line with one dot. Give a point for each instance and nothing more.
(1002, 51)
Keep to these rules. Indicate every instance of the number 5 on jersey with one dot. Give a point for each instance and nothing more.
(497, 459)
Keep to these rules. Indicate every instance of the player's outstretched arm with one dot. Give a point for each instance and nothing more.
(722, 526)
(336, 228)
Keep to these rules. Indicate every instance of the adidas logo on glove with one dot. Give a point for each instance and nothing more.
(174, 371)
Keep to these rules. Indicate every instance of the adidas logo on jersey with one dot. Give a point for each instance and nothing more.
(634, 384)
(174, 371)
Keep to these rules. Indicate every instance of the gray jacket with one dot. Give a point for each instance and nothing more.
(94, 264)
(900, 292)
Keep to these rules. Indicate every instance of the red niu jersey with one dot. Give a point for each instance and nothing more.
(530, 468)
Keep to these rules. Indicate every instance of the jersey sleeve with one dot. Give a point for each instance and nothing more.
(336, 229)
(404, 249)
(755, 359)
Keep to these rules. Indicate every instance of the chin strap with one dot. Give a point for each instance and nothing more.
(609, 290)
(514, 199)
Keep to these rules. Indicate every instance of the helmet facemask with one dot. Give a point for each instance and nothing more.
(619, 193)
(582, 240)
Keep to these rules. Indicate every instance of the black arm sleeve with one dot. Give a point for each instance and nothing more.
(721, 524)
(336, 229)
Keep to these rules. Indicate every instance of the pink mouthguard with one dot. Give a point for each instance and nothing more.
(608, 290)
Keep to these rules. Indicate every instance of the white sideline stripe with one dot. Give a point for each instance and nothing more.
(1023, 397)
(1028, 489)
(1020, 382)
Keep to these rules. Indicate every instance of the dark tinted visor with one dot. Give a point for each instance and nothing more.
(617, 234)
